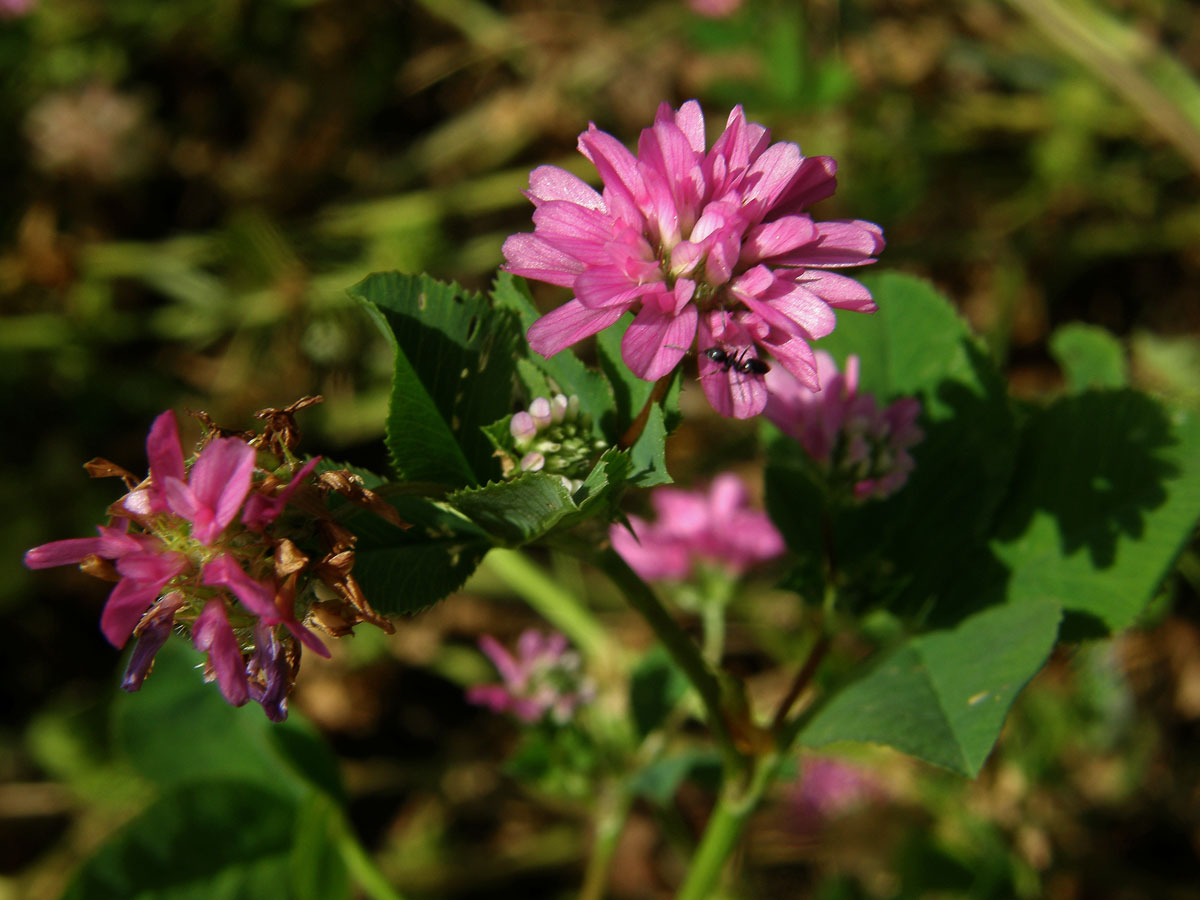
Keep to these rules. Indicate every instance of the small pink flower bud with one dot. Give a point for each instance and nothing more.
(523, 428)
(540, 410)
(532, 462)
(558, 408)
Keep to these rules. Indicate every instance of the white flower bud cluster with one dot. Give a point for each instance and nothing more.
(553, 436)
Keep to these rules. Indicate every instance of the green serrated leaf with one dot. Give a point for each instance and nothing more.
(571, 375)
(943, 696)
(213, 840)
(655, 687)
(648, 453)
(516, 512)
(453, 375)
(405, 570)
(1107, 494)
(177, 729)
(1090, 357)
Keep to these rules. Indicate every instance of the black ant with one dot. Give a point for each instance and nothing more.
(739, 362)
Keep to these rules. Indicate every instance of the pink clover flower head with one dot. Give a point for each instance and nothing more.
(201, 546)
(715, 243)
(544, 678)
(828, 789)
(844, 431)
(714, 526)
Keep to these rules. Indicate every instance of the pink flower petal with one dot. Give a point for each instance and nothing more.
(256, 596)
(220, 480)
(529, 256)
(62, 553)
(844, 243)
(690, 119)
(571, 322)
(652, 559)
(624, 191)
(837, 290)
(502, 660)
(655, 342)
(261, 511)
(814, 181)
(213, 634)
(163, 449)
(124, 609)
(603, 287)
(776, 238)
(547, 183)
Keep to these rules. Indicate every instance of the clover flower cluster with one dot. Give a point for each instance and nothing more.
(844, 431)
(708, 247)
(715, 527)
(552, 436)
(544, 678)
(204, 546)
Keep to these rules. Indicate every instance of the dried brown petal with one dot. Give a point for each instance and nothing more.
(103, 468)
(98, 567)
(328, 619)
(350, 486)
(288, 558)
(339, 537)
(280, 431)
(213, 430)
(347, 588)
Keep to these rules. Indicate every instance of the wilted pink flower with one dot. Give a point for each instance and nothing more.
(829, 788)
(192, 551)
(713, 243)
(543, 678)
(715, 526)
(845, 431)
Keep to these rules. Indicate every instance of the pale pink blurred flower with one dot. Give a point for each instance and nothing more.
(543, 678)
(716, 526)
(845, 431)
(14, 9)
(715, 9)
(712, 243)
(829, 788)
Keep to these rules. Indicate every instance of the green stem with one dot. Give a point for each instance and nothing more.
(556, 605)
(610, 822)
(358, 862)
(717, 588)
(684, 652)
(725, 826)
(714, 630)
